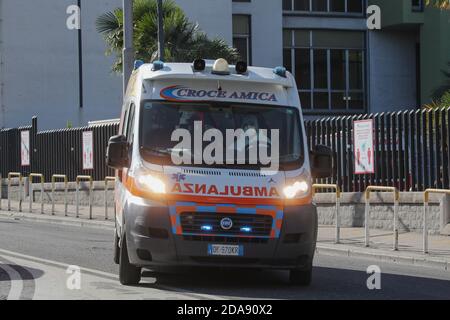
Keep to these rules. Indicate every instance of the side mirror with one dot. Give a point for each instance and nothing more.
(117, 153)
(321, 162)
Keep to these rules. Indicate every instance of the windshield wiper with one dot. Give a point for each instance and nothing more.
(162, 152)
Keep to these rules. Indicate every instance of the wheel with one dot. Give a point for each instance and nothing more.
(116, 248)
(300, 277)
(128, 273)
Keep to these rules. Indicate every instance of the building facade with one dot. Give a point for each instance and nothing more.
(341, 67)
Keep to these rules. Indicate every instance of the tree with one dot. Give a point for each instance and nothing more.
(184, 41)
(445, 87)
(443, 4)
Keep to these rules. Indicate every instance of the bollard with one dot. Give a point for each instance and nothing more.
(30, 178)
(426, 209)
(77, 199)
(106, 194)
(426, 212)
(54, 177)
(338, 205)
(1, 194)
(367, 213)
(14, 175)
(366, 225)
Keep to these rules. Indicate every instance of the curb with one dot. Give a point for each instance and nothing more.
(383, 256)
(69, 221)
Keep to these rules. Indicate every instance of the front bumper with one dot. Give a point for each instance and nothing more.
(151, 241)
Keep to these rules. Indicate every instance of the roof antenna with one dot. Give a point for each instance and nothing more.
(219, 87)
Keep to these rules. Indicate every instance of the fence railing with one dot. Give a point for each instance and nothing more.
(55, 151)
(411, 151)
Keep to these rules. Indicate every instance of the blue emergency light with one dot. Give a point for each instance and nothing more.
(246, 229)
(206, 228)
(157, 65)
(280, 71)
(138, 64)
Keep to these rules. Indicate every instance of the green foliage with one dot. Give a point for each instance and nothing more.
(445, 100)
(445, 87)
(184, 41)
(443, 4)
(442, 102)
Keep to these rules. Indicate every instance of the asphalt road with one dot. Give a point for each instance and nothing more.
(34, 257)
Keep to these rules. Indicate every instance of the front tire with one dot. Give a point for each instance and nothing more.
(116, 248)
(128, 273)
(300, 277)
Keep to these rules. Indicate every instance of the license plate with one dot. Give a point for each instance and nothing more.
(225, 250)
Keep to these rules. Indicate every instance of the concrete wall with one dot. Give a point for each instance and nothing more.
(397, 12)
(352, 209)
(267, 31)
(435, 51)
(213, 16)
(98, 194)
(392, 70)
(410, 211)
(40, 65)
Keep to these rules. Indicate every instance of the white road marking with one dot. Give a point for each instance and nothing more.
(182, 293)
(15, 281)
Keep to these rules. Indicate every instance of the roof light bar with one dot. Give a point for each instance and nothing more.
(241, 67)
(280, 71)
(138, 64)
(221, 67)
(157, 65)
(199, 65)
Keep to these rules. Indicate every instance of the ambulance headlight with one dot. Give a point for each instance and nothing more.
(221, 67)
(149, 182)
(299, 188)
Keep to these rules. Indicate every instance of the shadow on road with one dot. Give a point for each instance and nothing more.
(20, 273)
(328, 283)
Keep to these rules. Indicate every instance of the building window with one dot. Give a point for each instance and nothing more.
(242, 36)
(325, 6)
(417, 5)
(329, 68)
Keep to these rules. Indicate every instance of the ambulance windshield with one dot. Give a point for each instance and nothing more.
(233, 135)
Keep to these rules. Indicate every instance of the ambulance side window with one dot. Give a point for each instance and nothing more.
(124, 123)
(130, 125)
(129, 134)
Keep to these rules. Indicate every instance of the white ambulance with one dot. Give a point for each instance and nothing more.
(194, 185)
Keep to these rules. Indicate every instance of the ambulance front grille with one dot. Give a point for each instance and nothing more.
(254, 224)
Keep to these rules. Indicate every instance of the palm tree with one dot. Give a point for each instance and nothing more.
(445, 87)
(184, 41)
(443, 4)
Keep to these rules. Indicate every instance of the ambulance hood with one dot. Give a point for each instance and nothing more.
(218, 185)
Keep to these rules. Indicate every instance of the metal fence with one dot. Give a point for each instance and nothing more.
(55, 151)
(411, 149)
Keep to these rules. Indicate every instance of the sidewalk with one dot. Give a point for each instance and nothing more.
(410, 247)
(352, 239)
(98, 214)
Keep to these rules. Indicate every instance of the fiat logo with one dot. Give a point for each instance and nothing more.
(226, 223)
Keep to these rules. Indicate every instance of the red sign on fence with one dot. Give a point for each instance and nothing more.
(88, 150)
(363, 146)
(25, 148)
